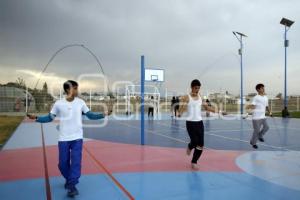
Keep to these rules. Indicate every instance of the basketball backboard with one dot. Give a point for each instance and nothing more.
(154, 75)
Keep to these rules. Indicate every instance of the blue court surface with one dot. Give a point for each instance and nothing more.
(228, 169)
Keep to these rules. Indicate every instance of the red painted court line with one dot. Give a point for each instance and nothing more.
(109, 174)
(47, 183)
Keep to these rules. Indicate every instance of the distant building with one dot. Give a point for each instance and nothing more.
(221, 97)
(245, 100)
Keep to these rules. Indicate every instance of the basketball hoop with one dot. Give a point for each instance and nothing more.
(154, 75)
(154, 78)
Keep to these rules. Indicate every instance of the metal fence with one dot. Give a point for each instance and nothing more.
(19, 101)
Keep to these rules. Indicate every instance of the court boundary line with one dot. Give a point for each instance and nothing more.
(115, 181)
(222, 174)
(46, 174)
(216, 135)
(152, 132)
(234, 139)
(165, 136)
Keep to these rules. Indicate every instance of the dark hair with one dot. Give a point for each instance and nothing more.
(195, 82)
(258, 86)
(68, 84)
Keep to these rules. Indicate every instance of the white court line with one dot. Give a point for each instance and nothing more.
(155, 133)
(179, 140)
(162, 135)
(289, 128)
(186, 142)
(183, 141)
(234, 139)
(212, 131)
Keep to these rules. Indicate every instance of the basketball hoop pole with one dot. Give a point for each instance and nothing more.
(142, 99)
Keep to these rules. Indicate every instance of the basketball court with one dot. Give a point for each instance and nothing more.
(159, 169)
(139, 149)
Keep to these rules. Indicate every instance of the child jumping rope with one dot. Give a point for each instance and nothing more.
(259, 106)
(194, 124)
(70, 111)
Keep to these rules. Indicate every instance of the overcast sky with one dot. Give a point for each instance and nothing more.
(188, 38)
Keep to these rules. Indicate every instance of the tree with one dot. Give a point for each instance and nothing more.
(20, 83)
(45, 88)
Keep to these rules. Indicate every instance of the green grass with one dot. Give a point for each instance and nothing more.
(294, 114)
(8, 124)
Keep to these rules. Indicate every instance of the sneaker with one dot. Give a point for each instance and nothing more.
(188, 151)
(72, 191)
(66, 185)
(261, 139)
(254, 146)
(195, 166)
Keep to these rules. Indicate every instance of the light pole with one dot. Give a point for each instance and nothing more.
(287, 24)
(142, 100)
(239, 36)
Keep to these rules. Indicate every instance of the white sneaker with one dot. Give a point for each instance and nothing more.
(195, 166)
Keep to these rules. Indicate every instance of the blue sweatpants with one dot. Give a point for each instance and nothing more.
(70, 154)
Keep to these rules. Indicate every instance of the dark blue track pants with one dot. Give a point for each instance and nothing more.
(70, 154)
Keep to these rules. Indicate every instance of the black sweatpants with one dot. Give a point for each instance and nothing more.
(150, 111)
(176, 109)
(196, 132)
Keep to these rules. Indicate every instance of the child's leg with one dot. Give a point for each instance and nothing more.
(64, 159)
(197, 154)
(256, 127)
(76, 155)
(199, 130)
(264, 129)
(190, 128)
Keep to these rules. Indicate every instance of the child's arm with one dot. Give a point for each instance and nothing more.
(250, 107)
(269, 111)
(210, 108)
(45, 118)
(182, 105)
(94, 115)
(42, 119)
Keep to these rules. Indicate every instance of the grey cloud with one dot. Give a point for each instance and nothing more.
(189, 39)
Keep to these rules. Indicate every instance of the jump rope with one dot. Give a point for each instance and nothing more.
(110, 106)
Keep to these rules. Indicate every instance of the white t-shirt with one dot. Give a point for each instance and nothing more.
(70, 116)
(151, 103)
(260, 102)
